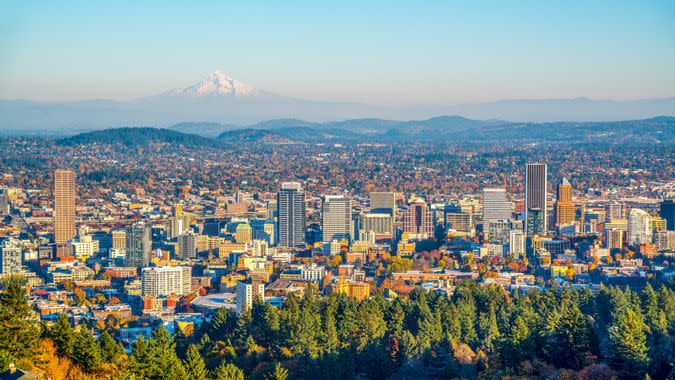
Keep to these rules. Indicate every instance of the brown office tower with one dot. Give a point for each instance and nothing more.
(64, 206)
(418, 219)
(535, 195)
(564, 208)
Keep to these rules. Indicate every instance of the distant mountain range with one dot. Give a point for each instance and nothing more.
(221, 99)
(659, 130)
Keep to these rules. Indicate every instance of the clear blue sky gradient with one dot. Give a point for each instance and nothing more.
(386, 52)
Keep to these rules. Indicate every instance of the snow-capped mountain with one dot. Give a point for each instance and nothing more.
(217, 84)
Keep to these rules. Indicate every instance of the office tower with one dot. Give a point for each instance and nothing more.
(455, 219)
(119, 239)
(535, 225)
(4, 203)
(186, 246)
(383, 202)
(243, 233)
(336, 218)
(614, 211)
(517, 243)
(639, 227)
(139, 245)
(667, 212)
(247, 291)
(178, 225)
(291, 215)
(659, 223)
(535, 195)
(614, 239)
(271, 212)
(10, 257)
(64, 206)
(497, 231)
(495, 205)
(564, 208)
(378, 223)
(418, 219)
(165, 281)
(263, 229)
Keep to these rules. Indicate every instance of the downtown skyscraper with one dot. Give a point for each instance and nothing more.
(495, 205)
(291, 215)
(336, 218)
(138, 245)
(535, 198)
(64, 206)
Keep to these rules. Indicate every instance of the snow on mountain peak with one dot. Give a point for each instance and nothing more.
(217, 83)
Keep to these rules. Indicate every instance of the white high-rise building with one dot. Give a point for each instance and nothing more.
(495, 205)
(336, 218)
(378, 223)
(639, 227)
(165, 281)
(247, 291)
(10, 257)
(517, 243)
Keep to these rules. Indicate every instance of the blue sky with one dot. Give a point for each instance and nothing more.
(384, 52)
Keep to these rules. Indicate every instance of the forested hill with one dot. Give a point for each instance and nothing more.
(129, 136)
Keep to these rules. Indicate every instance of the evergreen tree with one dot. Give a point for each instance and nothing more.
(18, 332)
(110, 350)
(157, 359)
(489, 331)
(195, 368)
(62, 335)
(628, 347)
(228, 371)
(278, 373)
(86, 351)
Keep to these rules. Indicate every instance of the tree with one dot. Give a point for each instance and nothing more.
(278, 373)
(18, 333)
(62, 335)
(195, 367)
(628, 344)
(228, 371)
(86, 351)
(110, 350)
(156, 359)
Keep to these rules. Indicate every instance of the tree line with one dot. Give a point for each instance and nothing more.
(477, 332)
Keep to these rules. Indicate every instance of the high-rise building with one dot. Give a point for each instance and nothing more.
(535, 225)
(263, 229)
(378, 223)
(383, 202)
(336, 218)
(64, 206)
(165, 281)
(564, 208)
(667, 212)
(10, 257)
(138, 245)
(517, 243)
(614, 239)
(495, 205)
(614, 211)
(418, 219)
(535, 195)
(186, 246)
(247, 291)
(243, 233)
(291, 215)
(178, 225)
(639, 227)
(497, 231)
(119, 239)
